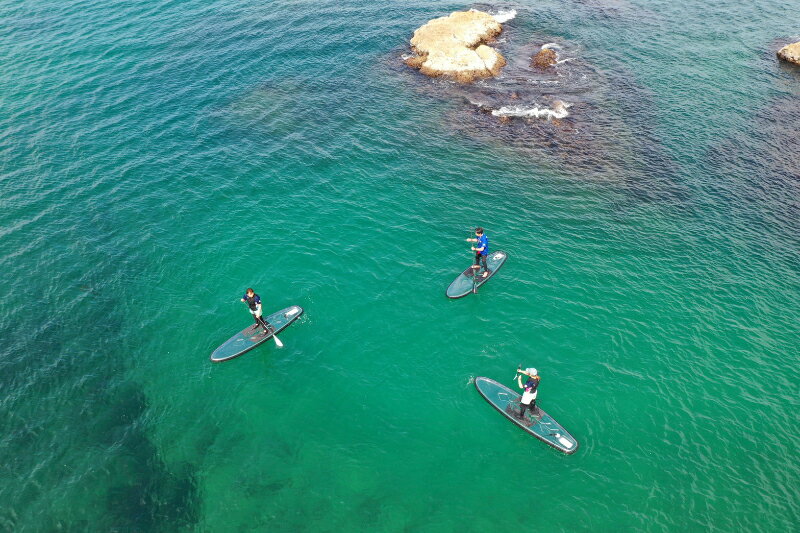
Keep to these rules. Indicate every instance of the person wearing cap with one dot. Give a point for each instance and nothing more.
(481, 250)
(528, 400)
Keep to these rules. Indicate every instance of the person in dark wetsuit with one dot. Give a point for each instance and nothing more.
(528, 400)
(253, 301)
(481, 250)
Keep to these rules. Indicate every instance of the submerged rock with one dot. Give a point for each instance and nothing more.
(546, 57)
(454, 46)
(790, 53)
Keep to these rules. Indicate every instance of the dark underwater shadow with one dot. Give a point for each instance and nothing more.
(75, 426)
(573, 118)
(756, 172)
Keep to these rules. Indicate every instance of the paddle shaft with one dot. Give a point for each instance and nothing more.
(267, 327)
(474, 274)
(263, 322)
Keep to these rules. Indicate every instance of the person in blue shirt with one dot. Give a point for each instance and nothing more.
(481, 250)
(253, 301)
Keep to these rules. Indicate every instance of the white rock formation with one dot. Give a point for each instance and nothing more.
(454, 46)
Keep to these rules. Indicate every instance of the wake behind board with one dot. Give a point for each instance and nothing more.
(251, 336)
(540, 425)
(464, 283)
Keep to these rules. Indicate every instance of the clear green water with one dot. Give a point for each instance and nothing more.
(156, 158)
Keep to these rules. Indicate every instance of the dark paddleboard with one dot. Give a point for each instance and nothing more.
(250, 337)
(464, 283)
(540, 425)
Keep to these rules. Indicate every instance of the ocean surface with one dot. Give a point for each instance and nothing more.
(159, 157)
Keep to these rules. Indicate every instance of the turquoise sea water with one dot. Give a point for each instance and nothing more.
(156, 158)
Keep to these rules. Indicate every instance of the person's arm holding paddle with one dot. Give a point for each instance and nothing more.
(528, 400)
(479, 249)
(253, 302)
(521, 373)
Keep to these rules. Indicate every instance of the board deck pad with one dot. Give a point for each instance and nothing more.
(250, 337)
(464, 283)
(469, 272)
(539, 424)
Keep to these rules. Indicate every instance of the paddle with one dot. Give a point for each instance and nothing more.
(474, 273)
(517, 373)
(278, 342)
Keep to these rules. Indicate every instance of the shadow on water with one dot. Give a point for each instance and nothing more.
(148, 495)
(89, 428)
(761, 167)
(764, 158)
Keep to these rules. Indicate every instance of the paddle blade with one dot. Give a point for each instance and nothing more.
(278, 342)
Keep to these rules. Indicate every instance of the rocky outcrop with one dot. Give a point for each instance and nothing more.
(790, 53)
(455, 47)
(546, 57)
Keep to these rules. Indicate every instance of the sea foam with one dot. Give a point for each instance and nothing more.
(505, 16)
(554, 46)
(559, 111)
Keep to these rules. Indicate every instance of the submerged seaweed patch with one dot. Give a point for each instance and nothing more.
(75, 427)
(567, 114)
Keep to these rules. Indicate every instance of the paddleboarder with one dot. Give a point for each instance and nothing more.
(253, 301)
(528, 400)
(481, 251)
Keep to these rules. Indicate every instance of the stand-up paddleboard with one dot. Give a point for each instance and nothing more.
(465, 282)
(540, 424)
(252, 336)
